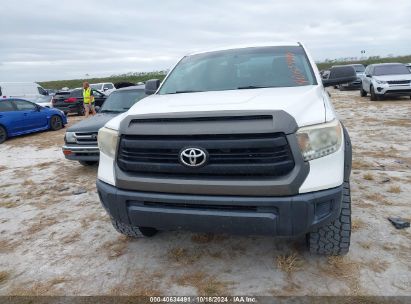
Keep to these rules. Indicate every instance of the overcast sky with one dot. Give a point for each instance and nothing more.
(53, 40)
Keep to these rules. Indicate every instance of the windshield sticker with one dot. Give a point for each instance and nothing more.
(297, 75)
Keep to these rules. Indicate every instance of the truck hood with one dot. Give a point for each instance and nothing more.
(305, 103)
(93, 123)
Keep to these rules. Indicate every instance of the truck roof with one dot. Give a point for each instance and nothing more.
(387, 63)
(243, 46)
(136, 87)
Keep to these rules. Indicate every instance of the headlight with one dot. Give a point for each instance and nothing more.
(380, 81)
(107, 141)
(319, 140)
(70, 137)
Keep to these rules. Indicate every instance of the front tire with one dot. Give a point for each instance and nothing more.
(56, 123)
(374, 97)
(334, 238)
(3, 134)
(363, 92)
(134, 232)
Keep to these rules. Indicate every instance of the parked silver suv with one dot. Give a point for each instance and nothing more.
(385, 79)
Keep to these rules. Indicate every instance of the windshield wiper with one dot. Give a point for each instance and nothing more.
(186, 91)
(253, 87)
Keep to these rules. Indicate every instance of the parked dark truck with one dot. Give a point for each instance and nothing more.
(81, 138)
(71, 101)
(242, 140)
(356, 84)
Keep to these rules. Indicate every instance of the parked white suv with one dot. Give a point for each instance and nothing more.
(240, 140)
(105, 87)
(386, 79)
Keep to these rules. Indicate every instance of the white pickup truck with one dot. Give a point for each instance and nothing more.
(238, 140)
(104, 87)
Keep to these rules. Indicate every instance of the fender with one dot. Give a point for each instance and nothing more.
(347, 154)
(5, 128)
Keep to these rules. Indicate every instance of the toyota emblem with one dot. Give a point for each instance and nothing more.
(193, 157)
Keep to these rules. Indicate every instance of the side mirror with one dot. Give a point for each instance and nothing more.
(340, 75)
(105, 89)
(368, 75)
(97, 108)
(151, 86)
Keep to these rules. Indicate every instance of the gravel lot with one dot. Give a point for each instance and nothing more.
(53, 242)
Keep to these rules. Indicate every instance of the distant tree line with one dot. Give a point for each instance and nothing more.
(363, 60)
(136, 77)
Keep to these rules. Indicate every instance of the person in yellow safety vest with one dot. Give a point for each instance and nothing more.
(88, 99)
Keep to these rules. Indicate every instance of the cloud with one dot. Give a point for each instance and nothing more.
(48, 40)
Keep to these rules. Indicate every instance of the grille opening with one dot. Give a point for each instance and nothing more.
(400, 91)
(86, 138)
(232, 155)
(196, 206)
(399, 81)
(87, 154)
(86, 133)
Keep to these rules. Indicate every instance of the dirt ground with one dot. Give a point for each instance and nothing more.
(53, 242)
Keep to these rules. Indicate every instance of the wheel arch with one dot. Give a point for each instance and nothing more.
(5, 128)
(347, 154)
(7, 131)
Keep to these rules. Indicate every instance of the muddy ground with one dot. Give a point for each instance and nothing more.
(53, 242)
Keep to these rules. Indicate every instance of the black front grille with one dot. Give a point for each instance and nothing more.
(398, 82)
(86, 138)
(234, 155)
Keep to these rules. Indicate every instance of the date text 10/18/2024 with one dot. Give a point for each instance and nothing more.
(205, 299)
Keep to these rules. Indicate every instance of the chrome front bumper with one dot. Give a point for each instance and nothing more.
(81, 153)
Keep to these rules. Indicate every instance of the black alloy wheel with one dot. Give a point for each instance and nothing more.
(56, 123)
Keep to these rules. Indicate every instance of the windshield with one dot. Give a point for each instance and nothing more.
(248, 68)
(394, 69)
(359, 68)
(121, 101)
(96, 86)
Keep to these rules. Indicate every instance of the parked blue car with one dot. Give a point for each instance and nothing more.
(19, 116)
